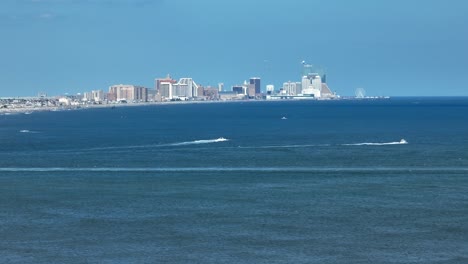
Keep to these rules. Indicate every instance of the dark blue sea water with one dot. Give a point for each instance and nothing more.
(156, 184)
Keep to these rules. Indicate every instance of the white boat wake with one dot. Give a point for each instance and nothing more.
(203, 141)
(27, 131)
(401, 142)
(195, 142)
(221, 139)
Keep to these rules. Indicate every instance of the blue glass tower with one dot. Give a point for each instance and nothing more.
(256, 82)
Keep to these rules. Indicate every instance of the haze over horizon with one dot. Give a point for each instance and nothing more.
(388, 48)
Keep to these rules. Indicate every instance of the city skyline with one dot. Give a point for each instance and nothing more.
(393, 48)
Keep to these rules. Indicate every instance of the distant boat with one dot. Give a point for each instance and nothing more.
(403, 141)
(284, 118)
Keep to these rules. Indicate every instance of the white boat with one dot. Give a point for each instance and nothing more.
(284, 118)
(403, 141)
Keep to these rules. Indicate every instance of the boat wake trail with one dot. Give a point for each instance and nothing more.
(197, 142)
(401, 142)
(28, 131)
(286, 146)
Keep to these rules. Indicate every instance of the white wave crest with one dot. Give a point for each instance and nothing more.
(203, 141)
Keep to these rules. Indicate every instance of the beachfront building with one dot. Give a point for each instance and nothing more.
(129, 93)
(184, 89)
(238, 89)
(165, 90)
(312, 86)
(163, 87)
(270, 89)
(87, 96)
(98, 95)
(255, 82)
(292, 88)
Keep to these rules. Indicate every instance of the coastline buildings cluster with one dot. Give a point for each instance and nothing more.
(313, 85)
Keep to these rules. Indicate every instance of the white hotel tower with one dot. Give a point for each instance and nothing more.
(183, 89)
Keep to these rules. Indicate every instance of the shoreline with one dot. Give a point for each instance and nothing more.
(29, 110)
(33, 109)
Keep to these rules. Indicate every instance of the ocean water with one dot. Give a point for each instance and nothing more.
(238, 183)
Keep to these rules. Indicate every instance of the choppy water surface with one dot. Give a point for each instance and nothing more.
(236, 183)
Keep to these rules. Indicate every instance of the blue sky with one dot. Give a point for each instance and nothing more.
(387, 47)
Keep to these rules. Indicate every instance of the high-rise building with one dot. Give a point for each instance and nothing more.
(88, 96)
(305, 83)
(298, 87)
(98, 95)
(251, 90)
(289, 88)
(220, 87)
(256, 82)
(129, 92)
(317, 83)
(165, 90)
(270, 89)
(186, 87)
(158, 82)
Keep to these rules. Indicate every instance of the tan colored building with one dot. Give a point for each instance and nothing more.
(129, 93)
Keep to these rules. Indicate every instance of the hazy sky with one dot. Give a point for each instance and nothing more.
(395, 47)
